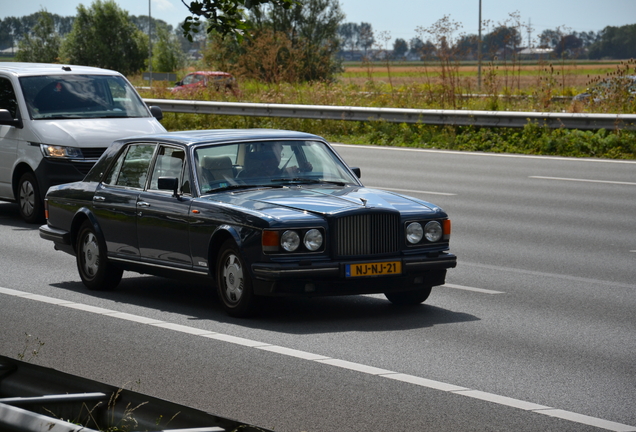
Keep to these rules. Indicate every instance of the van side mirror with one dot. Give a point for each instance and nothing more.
(156, 112)
(7, 119)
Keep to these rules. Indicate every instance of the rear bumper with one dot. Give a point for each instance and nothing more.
(61, 238)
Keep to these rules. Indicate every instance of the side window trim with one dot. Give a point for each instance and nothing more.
(122, 166)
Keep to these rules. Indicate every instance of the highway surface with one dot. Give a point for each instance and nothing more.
(534, 331)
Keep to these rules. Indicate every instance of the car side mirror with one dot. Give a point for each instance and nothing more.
(156, 112)
(178, 83)
(7, 119)
(357, 171)
(169, 183)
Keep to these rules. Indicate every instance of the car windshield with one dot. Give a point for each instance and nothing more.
(268, 164)
(80, 97)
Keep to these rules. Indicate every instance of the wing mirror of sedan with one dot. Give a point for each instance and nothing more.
(156, 112)
(7, 119)
(169, 183)
(357, 171)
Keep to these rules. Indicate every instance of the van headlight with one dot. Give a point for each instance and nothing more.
(60, 152)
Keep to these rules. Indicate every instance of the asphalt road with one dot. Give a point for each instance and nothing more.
(534, 331)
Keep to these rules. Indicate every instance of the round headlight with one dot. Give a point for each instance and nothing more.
(290, 240)
(414, 232)
(313, 240)
(433, 231)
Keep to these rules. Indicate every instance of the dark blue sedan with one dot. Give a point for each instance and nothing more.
(254, 212)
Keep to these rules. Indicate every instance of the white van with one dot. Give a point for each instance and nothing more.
(56, 121)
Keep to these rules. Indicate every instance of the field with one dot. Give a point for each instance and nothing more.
(574, 76)
(520, 87)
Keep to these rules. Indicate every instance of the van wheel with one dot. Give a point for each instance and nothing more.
(31, 205)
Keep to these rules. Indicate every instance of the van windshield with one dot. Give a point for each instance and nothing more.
(81, 96)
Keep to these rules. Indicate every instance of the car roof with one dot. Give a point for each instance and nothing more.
(221, 136)
(25, 69)
(210, 73)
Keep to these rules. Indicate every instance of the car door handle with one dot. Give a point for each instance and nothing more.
(99, 198)
(143, 204)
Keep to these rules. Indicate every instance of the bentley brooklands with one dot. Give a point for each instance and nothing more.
(254, 212)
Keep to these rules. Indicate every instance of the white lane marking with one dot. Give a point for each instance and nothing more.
(466, 288)
(424, 382)
(411, 191)
(501, 400)
(358, 367)
(583, 180)
(292, 352)
(499, 155)
(371, 370)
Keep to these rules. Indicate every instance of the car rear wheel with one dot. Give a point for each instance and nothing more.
(93, 266)
(406, 298)
(234, 283)
(31, 206)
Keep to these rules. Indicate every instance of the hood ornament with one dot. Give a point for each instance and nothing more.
(364, 201)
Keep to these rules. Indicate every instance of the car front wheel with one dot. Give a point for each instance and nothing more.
(406, 298)
(93, 266)
(31, 206)
(234, 283)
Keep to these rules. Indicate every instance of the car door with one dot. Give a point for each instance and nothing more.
(163, 217)
(115, 200)
(9, 138)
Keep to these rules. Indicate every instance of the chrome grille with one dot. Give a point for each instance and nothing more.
(368, 234)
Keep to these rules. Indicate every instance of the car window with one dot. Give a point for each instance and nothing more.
(268, 163)
(8, 100)
(81, 96)
(131, 168)
(169, 163)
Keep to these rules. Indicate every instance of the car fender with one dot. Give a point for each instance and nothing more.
(222, 233)
(80, 216)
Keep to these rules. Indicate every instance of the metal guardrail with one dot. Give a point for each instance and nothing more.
(403, 115)
(35, 399)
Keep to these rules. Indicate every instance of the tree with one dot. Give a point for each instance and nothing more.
(502, 38)
(308, 33)
(400, 48)
(104, 36)
(348, 33)
(167, 55)
(615, 42)
(365, 36)
(224, 16)
(569, 46)
(44, 45)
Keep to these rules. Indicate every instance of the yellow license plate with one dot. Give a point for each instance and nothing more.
(373, 269)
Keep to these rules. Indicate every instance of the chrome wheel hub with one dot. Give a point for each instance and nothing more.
(233, 279)
(90, 252)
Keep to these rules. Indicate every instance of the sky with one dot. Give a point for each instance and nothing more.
(401, 18)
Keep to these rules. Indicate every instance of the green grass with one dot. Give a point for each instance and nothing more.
(376, 91)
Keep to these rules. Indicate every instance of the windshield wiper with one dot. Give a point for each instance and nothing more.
(308, 180)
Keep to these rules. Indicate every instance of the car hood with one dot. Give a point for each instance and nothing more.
(93, 132)
(325, 200)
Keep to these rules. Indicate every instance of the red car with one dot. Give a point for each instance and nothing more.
(206, 79)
